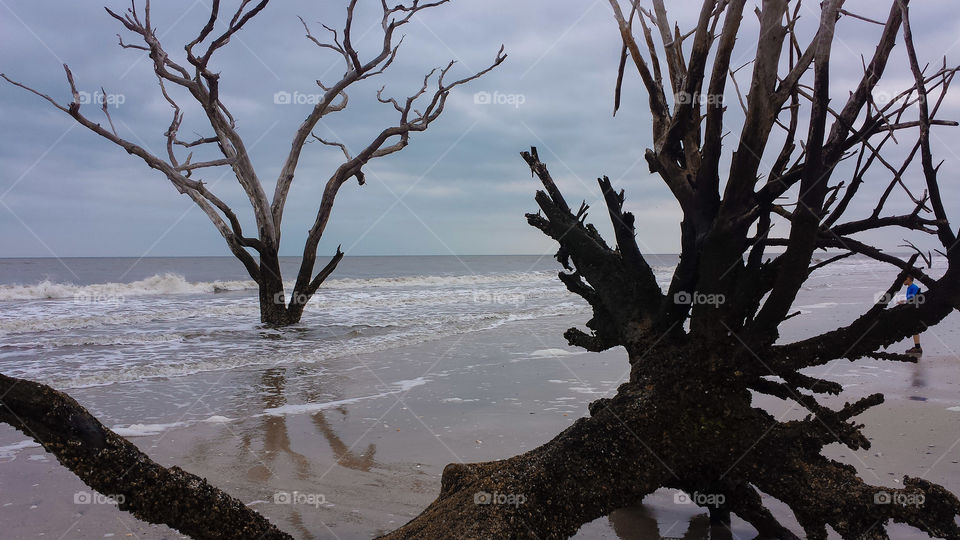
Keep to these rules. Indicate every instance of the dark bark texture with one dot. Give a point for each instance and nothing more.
(115, 467)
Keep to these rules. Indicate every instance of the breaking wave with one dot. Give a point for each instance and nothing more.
(159, 284)
(170, 284)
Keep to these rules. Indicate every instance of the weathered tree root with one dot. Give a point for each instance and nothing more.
(823, 492)
(592, 468)
(595, 466)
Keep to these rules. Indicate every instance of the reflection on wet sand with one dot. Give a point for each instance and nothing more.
(918, 379)
(267, 451)
(362, 462)
(276, 438)
(637, 523)
(272, 388)
(342, 453)
(276, 443)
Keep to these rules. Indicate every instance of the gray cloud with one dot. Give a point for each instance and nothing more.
(460, 187)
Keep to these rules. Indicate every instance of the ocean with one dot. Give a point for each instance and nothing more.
(80, 322)
(155, 322)
(399, 366)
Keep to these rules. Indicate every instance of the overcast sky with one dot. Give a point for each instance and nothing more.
(460, 188)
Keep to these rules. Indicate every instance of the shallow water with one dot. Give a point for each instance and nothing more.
(90, 330)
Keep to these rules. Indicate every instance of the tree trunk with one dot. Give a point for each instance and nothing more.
(273, 305)
(595, 466)
(644, 438)
(273, 310)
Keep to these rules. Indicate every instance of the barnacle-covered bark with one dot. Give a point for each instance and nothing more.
(115, 467)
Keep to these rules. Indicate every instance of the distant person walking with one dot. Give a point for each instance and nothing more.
(913, 291)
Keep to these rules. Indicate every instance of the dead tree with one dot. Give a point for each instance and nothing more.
(226, 148)
(684, 419)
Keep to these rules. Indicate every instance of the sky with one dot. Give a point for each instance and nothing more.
(459, 188)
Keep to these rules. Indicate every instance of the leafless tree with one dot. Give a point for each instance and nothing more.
(260, 253)
(685, 418)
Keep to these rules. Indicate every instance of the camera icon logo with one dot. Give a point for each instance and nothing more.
(282, 98)
(882, 497)
(482, 98)
(681, 498)
(82, 497)
(482, 497)
(281, 497)
(682, 297)
(882, 298)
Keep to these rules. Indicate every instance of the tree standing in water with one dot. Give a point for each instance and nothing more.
(225, 147)
(684, 419)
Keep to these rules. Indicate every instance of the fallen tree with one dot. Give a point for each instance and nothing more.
(685, 418)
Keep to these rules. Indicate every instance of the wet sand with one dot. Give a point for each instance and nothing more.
(358, 447)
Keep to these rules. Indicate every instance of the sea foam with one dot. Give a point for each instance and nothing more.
(167, 284)
(157, 284)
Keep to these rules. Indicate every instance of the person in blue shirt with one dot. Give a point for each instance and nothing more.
(913, 292)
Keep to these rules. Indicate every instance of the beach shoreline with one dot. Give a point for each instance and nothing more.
(365, 463)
